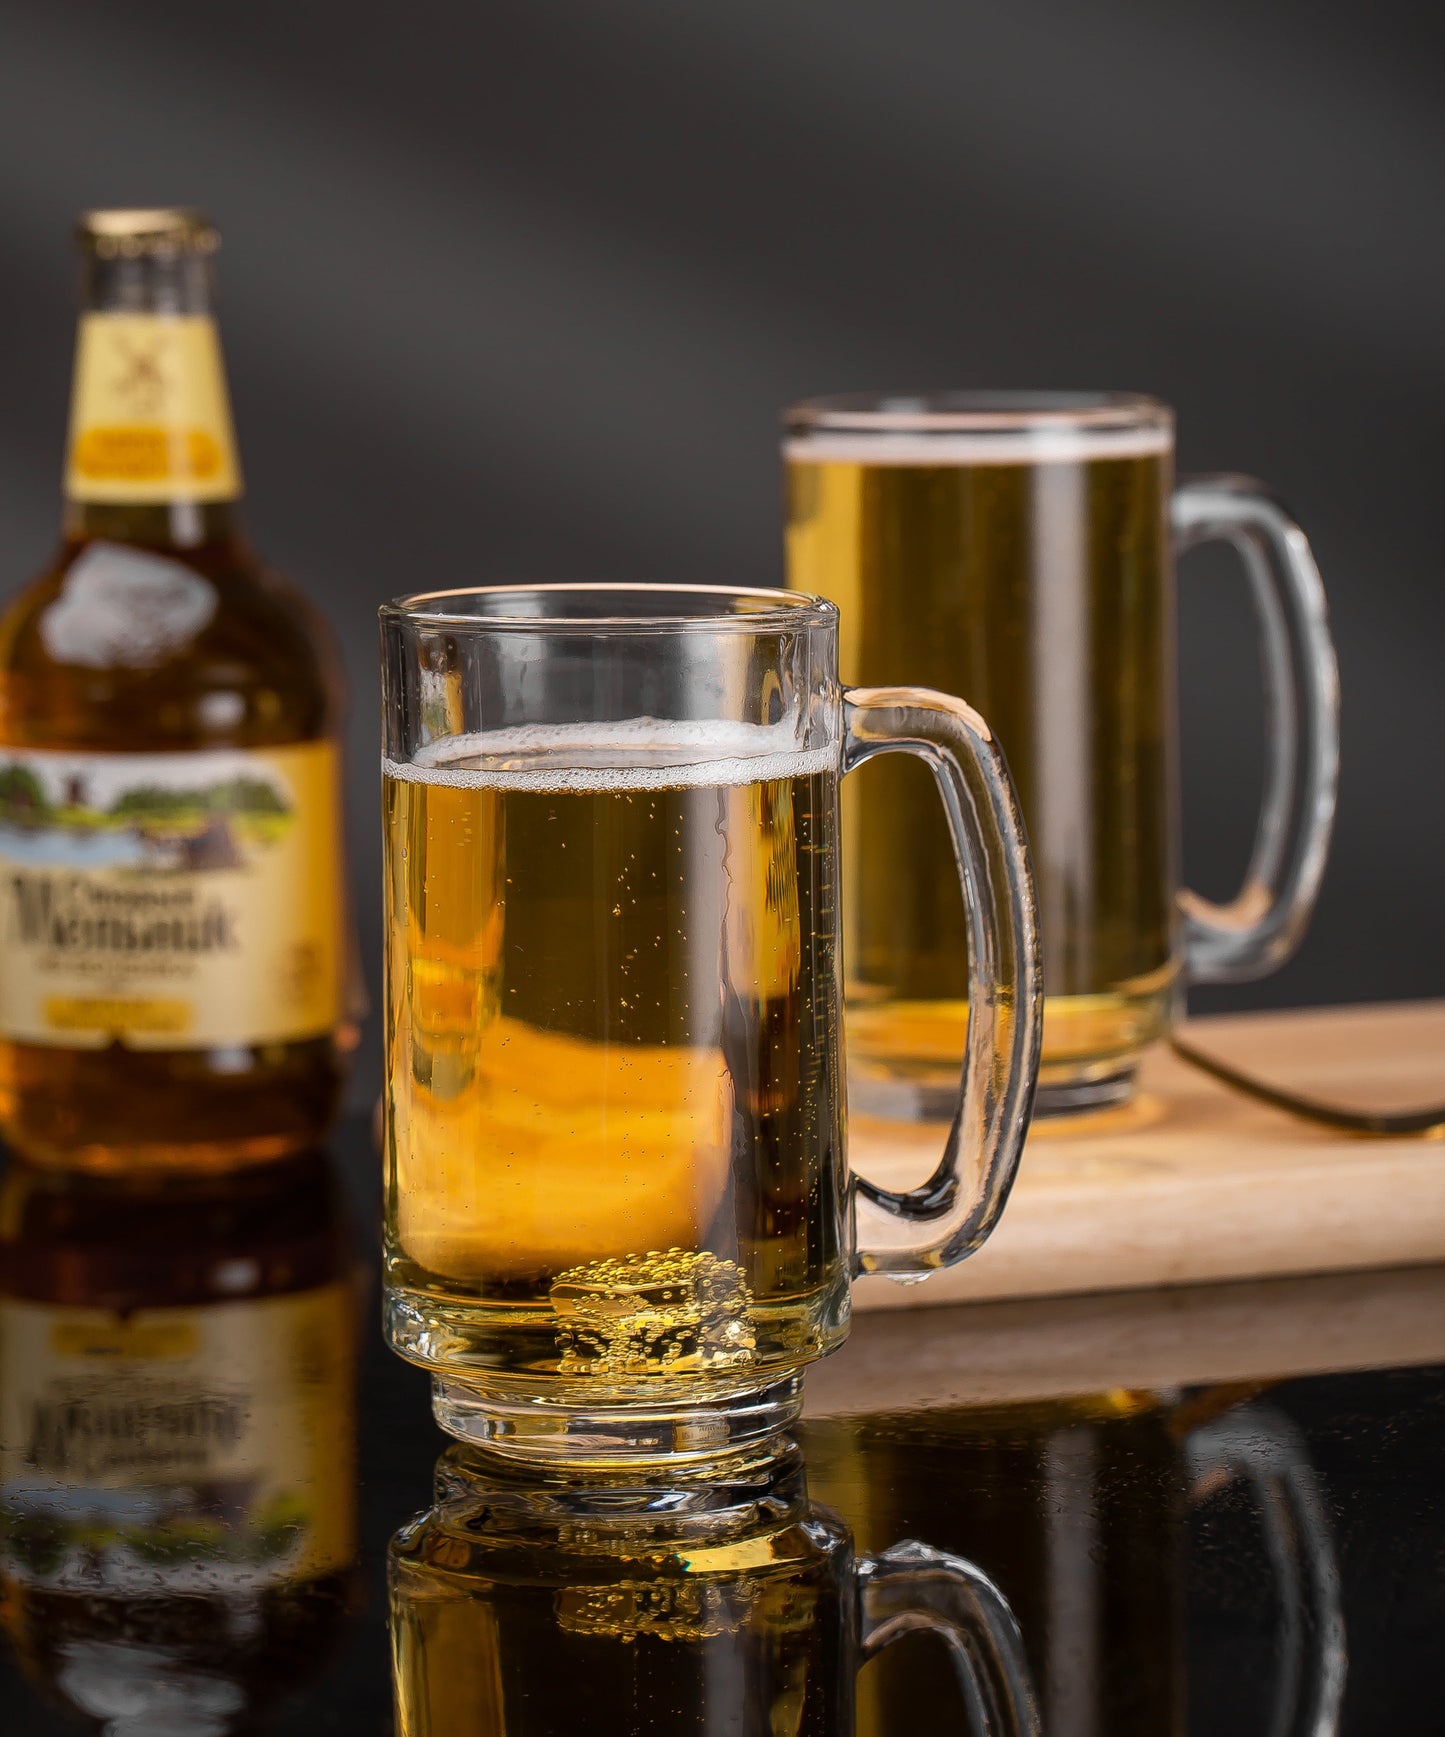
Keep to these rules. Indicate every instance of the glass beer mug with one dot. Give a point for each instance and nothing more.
(1019, 547)
(619, 1217)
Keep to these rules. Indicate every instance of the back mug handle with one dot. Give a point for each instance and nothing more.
(1263, 924)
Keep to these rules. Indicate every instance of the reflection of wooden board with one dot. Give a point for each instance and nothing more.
(1027, 1348)
(1196, 1182)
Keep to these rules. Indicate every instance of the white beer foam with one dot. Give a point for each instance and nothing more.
(987, 446)
(640, 754)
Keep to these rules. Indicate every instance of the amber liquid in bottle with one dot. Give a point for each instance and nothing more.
(157, 631)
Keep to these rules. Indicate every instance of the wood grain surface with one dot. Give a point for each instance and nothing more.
(1195, 1182)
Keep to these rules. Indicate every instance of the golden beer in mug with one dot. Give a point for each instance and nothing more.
(614, 979)
(618, 1206)
(1018, 547)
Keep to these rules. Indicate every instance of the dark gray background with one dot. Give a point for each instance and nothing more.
(516, 290)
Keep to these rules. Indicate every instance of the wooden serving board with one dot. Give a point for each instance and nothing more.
(1195, 1182)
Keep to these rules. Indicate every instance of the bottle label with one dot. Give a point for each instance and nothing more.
(149, 415)
(178, 1449)
(170, 901)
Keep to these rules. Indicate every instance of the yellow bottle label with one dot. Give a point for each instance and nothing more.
(183, 1449)
(170, 901)
(149, 416)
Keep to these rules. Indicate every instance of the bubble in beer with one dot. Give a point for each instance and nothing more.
(669, 1312)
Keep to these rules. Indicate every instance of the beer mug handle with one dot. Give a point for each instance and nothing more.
(911, 1233)
(1259, 929)
(1264, 1447)
(913, 1586)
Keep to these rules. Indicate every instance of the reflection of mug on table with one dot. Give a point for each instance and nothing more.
(1017, 548)
(723, 1602)
(1078, 1508)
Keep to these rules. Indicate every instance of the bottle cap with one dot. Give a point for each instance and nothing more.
(169, 229)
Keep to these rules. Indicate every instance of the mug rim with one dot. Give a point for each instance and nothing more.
(756, 609)
(976, 411)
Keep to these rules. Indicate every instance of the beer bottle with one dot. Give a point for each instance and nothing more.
(171, 885)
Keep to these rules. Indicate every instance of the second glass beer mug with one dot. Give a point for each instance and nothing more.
(619, 1215)
(1019, 546)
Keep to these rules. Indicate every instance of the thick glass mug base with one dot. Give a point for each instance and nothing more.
(903, 1056)
(503, 1378)
(904, 1100)
(1074, 1094)
(569, 1428)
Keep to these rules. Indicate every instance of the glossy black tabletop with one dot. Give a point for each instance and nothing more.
(1215, 1511)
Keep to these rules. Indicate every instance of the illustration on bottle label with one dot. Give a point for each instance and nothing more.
(150, 419)
(170, 901)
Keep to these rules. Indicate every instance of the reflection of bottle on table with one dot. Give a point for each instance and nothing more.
(722, 1600)
(177, 1483)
